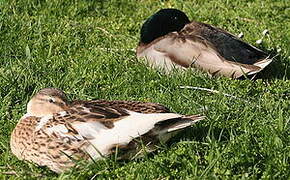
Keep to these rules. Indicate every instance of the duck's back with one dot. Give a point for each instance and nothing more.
(227, 45)
(136, 106)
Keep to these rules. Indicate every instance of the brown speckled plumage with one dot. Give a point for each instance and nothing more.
(84, 130)
(44, 149)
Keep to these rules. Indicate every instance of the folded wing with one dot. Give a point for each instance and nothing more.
(105, 128)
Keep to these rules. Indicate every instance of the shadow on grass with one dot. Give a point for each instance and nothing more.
(278, 69)
(200, 133)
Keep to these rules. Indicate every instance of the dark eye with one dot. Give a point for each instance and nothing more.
(51, 100)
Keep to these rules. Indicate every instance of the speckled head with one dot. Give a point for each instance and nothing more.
(162, 23)
(46, 102)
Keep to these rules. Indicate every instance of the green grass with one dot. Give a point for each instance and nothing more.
(85, 48)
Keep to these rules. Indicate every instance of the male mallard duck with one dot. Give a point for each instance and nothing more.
(169, 39)
(55, 132)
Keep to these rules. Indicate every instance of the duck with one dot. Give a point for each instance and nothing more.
(56, 133)
(169, 40)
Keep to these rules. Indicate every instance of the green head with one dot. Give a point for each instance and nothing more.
(162, 23)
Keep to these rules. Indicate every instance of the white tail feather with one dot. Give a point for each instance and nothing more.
(262, 64)
(183, 124)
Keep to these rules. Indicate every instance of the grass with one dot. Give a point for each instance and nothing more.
(85, 48)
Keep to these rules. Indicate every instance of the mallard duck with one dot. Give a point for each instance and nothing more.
(55, 132)
(168, 40)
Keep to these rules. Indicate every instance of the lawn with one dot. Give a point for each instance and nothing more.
(87, 48)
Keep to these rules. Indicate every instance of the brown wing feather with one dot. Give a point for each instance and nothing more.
(104, 111)
(84, 111)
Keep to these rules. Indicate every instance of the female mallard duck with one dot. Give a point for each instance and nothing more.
(55, 132)
(169, 39)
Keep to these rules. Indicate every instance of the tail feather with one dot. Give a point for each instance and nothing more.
(261, 64)
(184, 122)
(167, 129)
